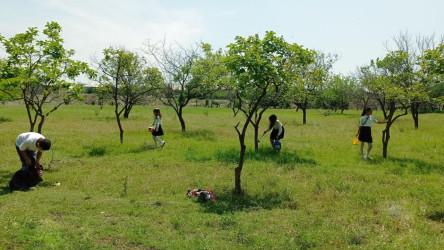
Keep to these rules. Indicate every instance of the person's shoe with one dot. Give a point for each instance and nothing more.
(363, 157)
(163, 143)
(368, 157)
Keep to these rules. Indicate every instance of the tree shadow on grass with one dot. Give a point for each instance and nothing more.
(264, 155)
(201, 135)
(3, 119)
(418, 166)
(96, 151)
(5, 177)
(227, 202)
(437, 216)
(142, 148)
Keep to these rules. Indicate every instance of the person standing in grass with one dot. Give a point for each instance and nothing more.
(365, 131)
(30, 147)
(157, 124)
(277, 130)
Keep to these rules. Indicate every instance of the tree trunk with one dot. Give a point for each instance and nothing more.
(31, 125)
(238, 169)
(386, 131)
(256, 137)
(304, 115)
(28, 111)
(182, 121)
(40, 126)
(119, 124)
(120, 128)
(415, 113)
(385, 140)
(127, 111)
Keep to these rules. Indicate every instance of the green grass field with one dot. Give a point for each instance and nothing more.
(315, 193)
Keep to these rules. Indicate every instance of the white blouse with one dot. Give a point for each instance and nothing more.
(157, 122)
(278, 125)
(366, 121)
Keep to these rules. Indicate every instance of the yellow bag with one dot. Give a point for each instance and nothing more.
(355, 141)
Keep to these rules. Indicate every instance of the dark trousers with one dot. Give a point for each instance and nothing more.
(31, 154)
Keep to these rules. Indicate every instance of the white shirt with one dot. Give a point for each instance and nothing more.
(27, 141)
(278, 125)
(157, 122)
(366, 121)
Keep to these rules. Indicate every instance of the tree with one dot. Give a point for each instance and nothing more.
(433, 61)
(184, 77)
(418, 81)
(259, 67)
(40, 72)
(432, 65)
(209, 72)
(337, 93)
(126, 78)
(373, 87)
(137, 84)
(311, 81)
(391, 81)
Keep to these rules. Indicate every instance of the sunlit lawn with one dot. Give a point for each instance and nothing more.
(315, 193)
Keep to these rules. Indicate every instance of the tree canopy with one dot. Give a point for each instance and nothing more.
(40, 71)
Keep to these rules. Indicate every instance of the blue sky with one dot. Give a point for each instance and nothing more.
(355, 30)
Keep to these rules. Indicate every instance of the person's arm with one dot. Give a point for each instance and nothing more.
(25, 156)
(359, 127)
(37, 162)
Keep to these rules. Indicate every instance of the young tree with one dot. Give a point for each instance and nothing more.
(183, 72)
(40, 72)
(311, 81)
(337, 93)
(209, 72)
(432, 65)
(373, 86)
(418, 81)
(138, 83)
(259, 67)
(391, 83)
(433, 61)
(124, 75)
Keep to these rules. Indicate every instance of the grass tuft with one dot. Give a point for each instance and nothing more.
(3, 119)
(96, 151)
(437, 216)
(228, 203)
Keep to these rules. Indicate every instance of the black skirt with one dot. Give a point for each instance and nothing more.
(275, 132)
(159, 131)
(365, 134)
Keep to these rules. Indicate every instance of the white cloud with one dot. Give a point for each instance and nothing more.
(91, 26)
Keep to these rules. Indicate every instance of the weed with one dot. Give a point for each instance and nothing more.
(98, 151)
(437, 216)
(125, 188)
(3, 119)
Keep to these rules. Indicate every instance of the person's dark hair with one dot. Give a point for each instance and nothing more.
(365, 111)
(273, 119)
(45, 144)
(157, 112)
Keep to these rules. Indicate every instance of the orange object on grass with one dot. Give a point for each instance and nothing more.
(355, 141)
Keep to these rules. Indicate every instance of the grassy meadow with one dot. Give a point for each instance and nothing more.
(315, 193)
